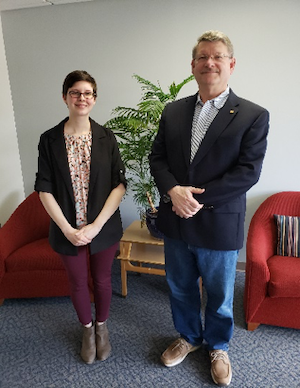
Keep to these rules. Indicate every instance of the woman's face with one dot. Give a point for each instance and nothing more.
(80, 99)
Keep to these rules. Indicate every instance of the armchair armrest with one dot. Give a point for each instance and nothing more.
(7, 246)
(260, 247)
(29, 222)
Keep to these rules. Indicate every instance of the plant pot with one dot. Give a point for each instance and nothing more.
(151, 218)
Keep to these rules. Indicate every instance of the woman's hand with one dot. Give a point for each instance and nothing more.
(55, 212)
(86, 234)
(77, 237)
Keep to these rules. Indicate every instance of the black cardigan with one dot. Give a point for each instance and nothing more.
(107, 172)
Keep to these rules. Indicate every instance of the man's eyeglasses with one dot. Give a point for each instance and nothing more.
(87, 95)
(215, 58)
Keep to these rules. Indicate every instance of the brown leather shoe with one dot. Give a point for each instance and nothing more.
(221, 372)
(102, 342)
(177, 352)
(88, 348)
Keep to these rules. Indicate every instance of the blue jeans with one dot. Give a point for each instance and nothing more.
(184, 265)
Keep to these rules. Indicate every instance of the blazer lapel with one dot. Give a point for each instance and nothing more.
(219, 124)
(186, 124)
(60, 154)
(97, 133)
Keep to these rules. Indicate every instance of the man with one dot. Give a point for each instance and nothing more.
(207, 154)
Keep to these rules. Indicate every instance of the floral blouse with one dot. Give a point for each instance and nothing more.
(79, 158)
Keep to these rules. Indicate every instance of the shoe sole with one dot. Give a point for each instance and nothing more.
(169, 365)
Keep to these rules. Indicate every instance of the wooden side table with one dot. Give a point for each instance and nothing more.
(139, 252)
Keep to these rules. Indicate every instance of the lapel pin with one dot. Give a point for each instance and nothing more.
(231, 111)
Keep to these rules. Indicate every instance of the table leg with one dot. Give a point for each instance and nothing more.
(124, 278)
(125, 250)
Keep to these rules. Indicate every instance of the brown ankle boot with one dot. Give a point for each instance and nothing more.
(88, 348)
(102, 342)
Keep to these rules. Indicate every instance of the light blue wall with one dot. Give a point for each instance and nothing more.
(117, 38)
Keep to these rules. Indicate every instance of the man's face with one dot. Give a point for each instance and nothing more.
(212, 66)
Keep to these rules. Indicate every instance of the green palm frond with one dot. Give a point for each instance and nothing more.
(135, 129)
(148, 88)
(153, 110)
(175, 89)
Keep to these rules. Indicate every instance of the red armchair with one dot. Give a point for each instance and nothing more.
(28, 265)
(272, 286)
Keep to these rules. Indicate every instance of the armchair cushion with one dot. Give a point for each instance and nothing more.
(37, 255)
(284, 279)
(288, 228)
(29, 267)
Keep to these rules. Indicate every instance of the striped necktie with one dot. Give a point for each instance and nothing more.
(203, 117)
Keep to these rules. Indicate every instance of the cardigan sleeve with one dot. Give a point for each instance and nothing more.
(44, 175)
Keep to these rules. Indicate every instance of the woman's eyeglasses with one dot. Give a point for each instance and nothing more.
(88, 95)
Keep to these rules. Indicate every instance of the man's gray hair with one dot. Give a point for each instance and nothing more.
(214, 36)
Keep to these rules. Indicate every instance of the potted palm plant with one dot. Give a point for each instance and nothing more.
(135, 129)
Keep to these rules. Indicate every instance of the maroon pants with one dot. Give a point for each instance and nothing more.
(78, 274)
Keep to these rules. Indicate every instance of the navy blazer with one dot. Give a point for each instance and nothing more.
(228, 163)
(106, 172)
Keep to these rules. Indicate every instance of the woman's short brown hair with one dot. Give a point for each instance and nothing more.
(76, 76)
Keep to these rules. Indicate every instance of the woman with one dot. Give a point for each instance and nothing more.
(81, 183)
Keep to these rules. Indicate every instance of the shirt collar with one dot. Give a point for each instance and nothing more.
(218, 101)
